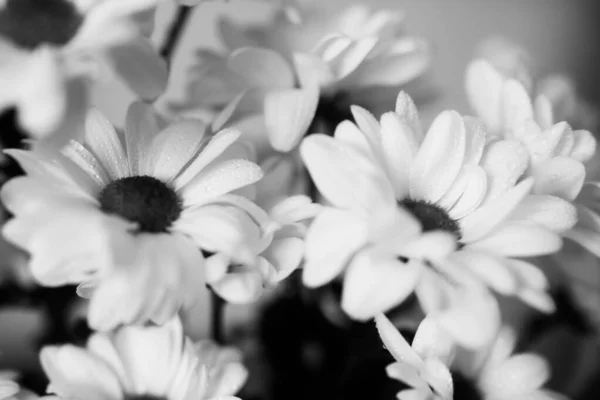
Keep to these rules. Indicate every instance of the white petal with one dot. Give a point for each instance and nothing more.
(220, 179)
(483, 220)
(473, 318)
(375, 284)
(407, 110)
(439, 378)
(490, 269)
(349, 59)
(343, 176)
(141, 126)
(85, 160)
(560, 176)
(484, 87)
(102, 138)
(518, 375)
(552, 212)
(331, 240)
(439, 159)
(368, 124)
(173, 148)
(504, 162)
(217, 145)
(285, 255)
(520, 240)
(402, 371)
(395, 343)
(584, 147)
(262, 68)
(476, 139)
(392, 69)
(349, 133)
(471, 185)
(219, 228)
(288, 114)
(400, 145)
(529, 275)
(75, 373)
(240, 287)
(516, 105)
(141, 68)
(431, 341)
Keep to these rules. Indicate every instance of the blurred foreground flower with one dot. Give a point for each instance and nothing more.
(144, 362)
(51, 49)
(111, 217)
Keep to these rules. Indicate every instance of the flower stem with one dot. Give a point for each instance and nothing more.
(217, 307)
(175, 32)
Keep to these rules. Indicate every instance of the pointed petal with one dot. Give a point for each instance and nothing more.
(520, 240)
(439, 159)
(288, 114)
(395, 343)
(102, 138)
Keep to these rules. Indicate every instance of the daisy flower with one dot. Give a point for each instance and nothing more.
(110, 214)
(558, 154)
(49, 50)
(362, 234)
(143, 362)
(279, 245)
(422, 366)
(452, 179)
(292, 75)
(495, 373)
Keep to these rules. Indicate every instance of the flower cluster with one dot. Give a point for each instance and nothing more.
(286, 168)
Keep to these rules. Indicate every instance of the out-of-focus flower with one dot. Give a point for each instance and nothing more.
(293, 76)
(558, 154)
(495, 373)
(453, 181)
(111, 216)
(279, 249)
(50, 49)
(149, 362)
(422, 366)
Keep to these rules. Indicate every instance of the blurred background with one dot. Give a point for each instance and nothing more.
(561, 36)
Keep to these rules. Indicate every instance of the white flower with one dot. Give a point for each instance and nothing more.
(155, 362)
(288, 73)
(494, 373)
(128, 222)
(422, 366)
(49, 50)
(558, 154)
(281, 223)
(362, 232)
(8, 389)
(452, 179)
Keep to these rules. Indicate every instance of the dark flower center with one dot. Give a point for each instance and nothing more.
(331, 110)
(29, 23)
(142, 199)
(465, 388)
(431, 216)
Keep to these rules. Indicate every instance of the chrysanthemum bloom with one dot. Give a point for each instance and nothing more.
(293, 75)
(129, 221)
(50, 49)
(558, 154)
(422, 366)
(453, 179)
(279, 245)
(143, 362)
(495, 373)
